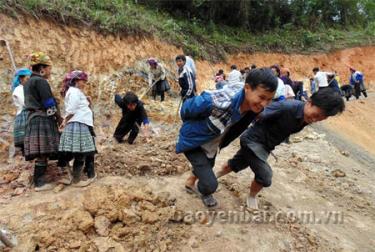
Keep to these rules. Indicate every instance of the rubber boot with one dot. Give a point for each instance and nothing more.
(39, 180)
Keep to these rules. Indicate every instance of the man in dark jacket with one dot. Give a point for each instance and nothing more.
(277, 122)
(186, 78)
(133, 115)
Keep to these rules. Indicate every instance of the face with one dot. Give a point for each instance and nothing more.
(46, 72)
(312, 113)
(132, 106)
(257, 98)
(24, 79)
(275, 71)
(81, 84)
(180, 63)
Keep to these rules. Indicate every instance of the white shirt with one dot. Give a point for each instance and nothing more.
(289, 93)
(77, 104)
(280, 91)
(234, 76)
(321, 79)
(18, 98)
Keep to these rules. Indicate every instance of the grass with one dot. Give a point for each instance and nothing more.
(207, 41)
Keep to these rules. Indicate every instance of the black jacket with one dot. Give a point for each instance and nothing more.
(139, 115)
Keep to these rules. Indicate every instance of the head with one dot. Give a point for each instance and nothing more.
(131, 100)
(221, 71)
(276, 70)
(242, 71)
(260, 87)
(152, 62)
(323, 104)
(233, 67)
(41, 64)
(253, 66)
(180, 60)
(78, 79)
(247, 70)
(315, 70)
(351, 69)
(20, 77)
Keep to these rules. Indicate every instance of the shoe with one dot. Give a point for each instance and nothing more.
(45, 187)
(209, 201)
(67, 180)
(252, 203)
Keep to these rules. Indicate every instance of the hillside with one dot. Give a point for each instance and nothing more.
(322, 197)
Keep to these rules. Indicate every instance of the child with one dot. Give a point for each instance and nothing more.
(77, 139)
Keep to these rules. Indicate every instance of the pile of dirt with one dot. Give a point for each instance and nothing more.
(102, 218)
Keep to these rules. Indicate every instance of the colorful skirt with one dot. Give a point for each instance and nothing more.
(20, 128)
(77, 138)
(41, 138)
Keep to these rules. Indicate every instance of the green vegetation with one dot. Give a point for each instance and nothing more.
(198, 37)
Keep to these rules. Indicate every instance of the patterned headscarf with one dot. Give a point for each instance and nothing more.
(70, 78)
(152, 61)
(16, 79)
(40, 58)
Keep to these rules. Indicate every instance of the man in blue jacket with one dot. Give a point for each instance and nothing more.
(277, 122)
(214, 119)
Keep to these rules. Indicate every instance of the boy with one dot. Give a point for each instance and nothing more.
(186, 78)
(214, 119)
(277, 122)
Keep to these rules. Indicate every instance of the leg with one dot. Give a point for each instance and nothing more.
(133, 134)
(122, 129)
(162, 95)
(39, 175)
(263, 172)
(90, 166)
(77, 167)
(202, 169)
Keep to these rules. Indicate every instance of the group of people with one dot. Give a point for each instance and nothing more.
(355, 87)
(42, 134)
(260, 109)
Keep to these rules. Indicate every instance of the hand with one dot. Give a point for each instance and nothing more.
(62, 126)
(146, 130)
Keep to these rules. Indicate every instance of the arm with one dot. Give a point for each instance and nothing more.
(197, 107)
(163, 74)
(272, 111)
(190, 83)
(118, 101)
(144, 116)
(48, 101)
(150, 77)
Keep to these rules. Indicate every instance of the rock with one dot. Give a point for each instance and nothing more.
(338, 173)
(129, 217)
(149, 217)
(101, 225)
(74, 244)
(58, 188)
(106, 244)
(19, 191)
(345, 153)
(83, 220)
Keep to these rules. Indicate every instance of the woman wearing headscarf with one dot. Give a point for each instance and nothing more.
(41, 136)
(157, 79)
(77, 139)
(20, 78)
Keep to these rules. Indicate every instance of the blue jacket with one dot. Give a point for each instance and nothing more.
(206, 116)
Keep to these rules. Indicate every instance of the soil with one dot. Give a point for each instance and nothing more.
(322, 197)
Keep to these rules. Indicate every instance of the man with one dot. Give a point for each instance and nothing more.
(186, 78)
(234, 76)
(133, 115)
(157, 79)
(320, 78)
(277, 122)
(356, 80)
(214, 119)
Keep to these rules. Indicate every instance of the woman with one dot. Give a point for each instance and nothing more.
(157, 79)
(77, 140)
(41, 136)
(20, 78)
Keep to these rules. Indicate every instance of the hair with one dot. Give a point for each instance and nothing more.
(38, 67)
(263, 77)
(221, 71)
(277, 69)
(242, 71)
(130, 98)
(316, 69)
(181, 57)
(246, 68)
(233, 67)
(253, 66)
(329, 101)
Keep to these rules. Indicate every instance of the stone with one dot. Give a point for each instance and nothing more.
(149, 217)
(338, 173)
(101, 225)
